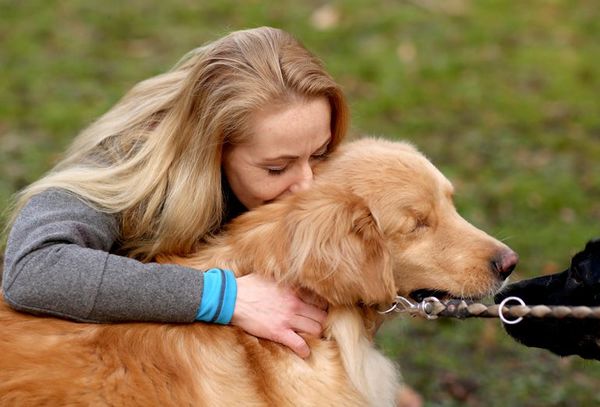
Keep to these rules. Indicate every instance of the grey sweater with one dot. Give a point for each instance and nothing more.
(58, 261)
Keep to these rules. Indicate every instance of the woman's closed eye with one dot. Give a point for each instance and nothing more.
(276, 170)
(319, 156)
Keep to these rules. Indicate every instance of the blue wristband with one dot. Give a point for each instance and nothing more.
(218, 297)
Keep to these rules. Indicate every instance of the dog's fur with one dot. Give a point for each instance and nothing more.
(578, 285)
(378, 221)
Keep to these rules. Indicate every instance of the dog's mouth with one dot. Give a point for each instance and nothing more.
(421, 294)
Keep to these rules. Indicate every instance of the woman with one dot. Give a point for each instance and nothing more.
(236, 123)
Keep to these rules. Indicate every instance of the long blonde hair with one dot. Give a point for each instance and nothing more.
(155, 157)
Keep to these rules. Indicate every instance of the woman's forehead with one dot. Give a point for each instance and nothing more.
(295, 126)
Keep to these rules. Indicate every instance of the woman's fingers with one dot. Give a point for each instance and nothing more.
(307, 325)
(293, 341)
(267, 310)
(310, 297)
(312, 313)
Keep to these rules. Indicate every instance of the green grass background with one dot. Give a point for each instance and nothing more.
(501, 95)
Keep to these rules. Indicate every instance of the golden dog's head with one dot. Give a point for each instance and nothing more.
(379, 221)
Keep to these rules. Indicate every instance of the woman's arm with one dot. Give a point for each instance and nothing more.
(57, 262)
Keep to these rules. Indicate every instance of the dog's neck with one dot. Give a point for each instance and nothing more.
(351, 327)
(233, 251)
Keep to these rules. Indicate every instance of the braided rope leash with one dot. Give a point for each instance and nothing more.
(432, 308)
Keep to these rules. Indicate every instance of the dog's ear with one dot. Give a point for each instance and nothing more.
(337, 249)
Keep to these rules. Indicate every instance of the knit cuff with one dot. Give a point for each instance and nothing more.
(218, 297)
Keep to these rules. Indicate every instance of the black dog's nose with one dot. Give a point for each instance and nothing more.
(505, 263)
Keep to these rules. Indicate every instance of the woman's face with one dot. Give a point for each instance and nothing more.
(284, 143)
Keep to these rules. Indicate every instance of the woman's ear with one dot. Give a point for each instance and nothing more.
(337, 250)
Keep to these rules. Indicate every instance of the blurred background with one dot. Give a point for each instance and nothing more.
(503, 96)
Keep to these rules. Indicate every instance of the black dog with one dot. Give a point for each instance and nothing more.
(578, 285)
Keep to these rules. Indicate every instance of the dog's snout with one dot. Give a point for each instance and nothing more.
(504, 263)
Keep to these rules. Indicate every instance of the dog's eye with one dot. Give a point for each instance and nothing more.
(413, 223)
(420, 224)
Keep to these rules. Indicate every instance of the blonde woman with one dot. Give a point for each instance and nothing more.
(236, 123)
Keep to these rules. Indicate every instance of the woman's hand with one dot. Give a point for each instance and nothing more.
(269, 311)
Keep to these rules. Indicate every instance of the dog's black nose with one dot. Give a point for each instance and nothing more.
(505, 263)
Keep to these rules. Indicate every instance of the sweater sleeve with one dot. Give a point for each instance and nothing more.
(57, 262)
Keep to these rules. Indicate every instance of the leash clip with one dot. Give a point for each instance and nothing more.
(425, 308)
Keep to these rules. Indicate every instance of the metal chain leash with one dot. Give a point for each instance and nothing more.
(432, 308)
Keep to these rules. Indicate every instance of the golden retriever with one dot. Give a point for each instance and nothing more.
(378, 221)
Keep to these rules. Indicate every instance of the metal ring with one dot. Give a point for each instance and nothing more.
(502, 317)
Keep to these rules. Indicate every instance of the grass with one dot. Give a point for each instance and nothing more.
(502, 96)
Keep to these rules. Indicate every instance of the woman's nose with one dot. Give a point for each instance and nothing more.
(304, 179)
